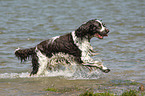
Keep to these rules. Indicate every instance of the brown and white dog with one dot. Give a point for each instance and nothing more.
(75, 44)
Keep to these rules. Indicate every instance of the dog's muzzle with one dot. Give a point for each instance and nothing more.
(100, 35)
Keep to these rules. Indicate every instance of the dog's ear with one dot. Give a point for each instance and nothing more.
(82, 30)
(92, 29)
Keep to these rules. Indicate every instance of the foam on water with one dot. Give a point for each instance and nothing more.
(14, 75)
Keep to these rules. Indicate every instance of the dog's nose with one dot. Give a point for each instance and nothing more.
(107, 30)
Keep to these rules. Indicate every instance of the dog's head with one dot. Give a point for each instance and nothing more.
(92, 28)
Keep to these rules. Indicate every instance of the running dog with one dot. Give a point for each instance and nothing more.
(75, 44)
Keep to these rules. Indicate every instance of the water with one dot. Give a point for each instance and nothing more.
(25, 23)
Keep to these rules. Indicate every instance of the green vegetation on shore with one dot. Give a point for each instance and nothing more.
(90, 93)
(126, 93)
(87, 93)
(62, 90)
(124, 87)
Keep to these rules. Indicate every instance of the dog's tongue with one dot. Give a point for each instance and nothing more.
(98, 36)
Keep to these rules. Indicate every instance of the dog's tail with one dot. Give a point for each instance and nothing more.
(24, 54)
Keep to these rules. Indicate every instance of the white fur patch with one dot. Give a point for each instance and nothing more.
(53, 39)
(17, 49)
(42, 60)
(103, 28)
(84, 45)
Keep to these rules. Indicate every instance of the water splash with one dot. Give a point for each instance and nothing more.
(70, 72)
(13, 75)
(60, 65)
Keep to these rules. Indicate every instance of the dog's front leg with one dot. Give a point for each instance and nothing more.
(92, 52)
(98, 65)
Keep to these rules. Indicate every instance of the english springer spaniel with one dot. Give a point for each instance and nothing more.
(75, 45)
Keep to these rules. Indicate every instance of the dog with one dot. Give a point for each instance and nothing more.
(75, 45)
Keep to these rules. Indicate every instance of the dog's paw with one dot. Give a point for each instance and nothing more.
(106, 70)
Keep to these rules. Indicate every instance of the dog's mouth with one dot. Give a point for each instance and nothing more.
(100, 36)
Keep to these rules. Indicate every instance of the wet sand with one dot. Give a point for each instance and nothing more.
(60, 86)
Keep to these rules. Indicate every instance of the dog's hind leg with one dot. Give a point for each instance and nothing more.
(42, 61)
(39, 63)
(35, 64)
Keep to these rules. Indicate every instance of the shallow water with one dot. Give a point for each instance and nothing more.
(25, 23)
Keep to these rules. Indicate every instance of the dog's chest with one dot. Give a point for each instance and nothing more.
(84, 45)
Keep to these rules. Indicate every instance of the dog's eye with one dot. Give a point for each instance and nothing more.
(99, 25)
